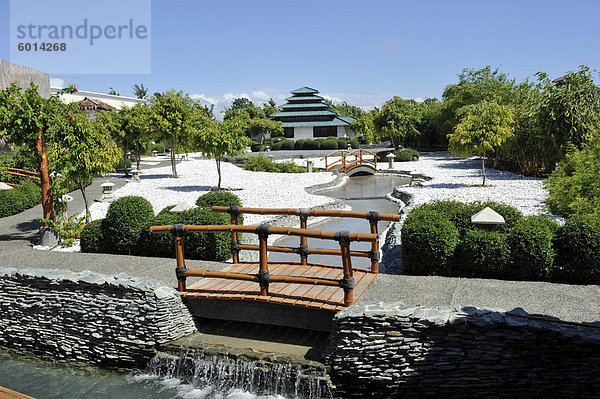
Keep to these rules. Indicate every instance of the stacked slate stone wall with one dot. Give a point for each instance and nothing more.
(89, 317)
(393, 350)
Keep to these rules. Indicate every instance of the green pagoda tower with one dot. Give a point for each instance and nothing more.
(307, 115)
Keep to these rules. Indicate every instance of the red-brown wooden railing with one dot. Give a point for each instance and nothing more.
(349, 160)
(263, 278)
(303, 250)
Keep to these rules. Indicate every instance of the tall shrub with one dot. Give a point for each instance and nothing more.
(531, 249)
(125, 220)
(577, 246)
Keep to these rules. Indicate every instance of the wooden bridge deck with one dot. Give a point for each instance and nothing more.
(317, 297)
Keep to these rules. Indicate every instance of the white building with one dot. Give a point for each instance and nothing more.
(117, 102)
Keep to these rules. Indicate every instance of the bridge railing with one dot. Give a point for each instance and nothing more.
(303, 214)
(22, 173)
(346, 162)
(263, 278)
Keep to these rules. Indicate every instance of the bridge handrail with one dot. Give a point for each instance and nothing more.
(21, 173)
(372, 217)
(263, 277)
(357, 153)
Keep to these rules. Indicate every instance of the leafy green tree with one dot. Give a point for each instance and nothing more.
(174, 117)
(364, 124)
(569, 111)
(217, 139)
(270, 107)
(28, 119)
(346, 109)
(261, 127)
(113, 92)
(135, 121)
(483, 128)
(574, 188)
(242, 106)
(397, 120)
(81, 151)
(140, 91)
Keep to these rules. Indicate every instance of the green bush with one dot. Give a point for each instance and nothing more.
(20, 198)
(577, 245)
(215, 247)
(342, 143)
(92, 237)
(428, 243)
(287, 145)
(481, 253)
(354, 143)
(261, 163)
(160, 245)
(329, 144)
(218, 198)
(403, 155)
(160, 148)
(298, 144)
(361, 139)
(574, 188)
(531, 249)
(257, 147)
(277, 146)
(120, 164)
(125, 219)
(311, 145)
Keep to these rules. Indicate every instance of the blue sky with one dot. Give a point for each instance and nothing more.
(363, 52)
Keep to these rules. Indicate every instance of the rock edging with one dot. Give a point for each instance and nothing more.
(89, 317)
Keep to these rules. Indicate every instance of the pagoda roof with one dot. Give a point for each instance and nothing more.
(337, 121)
(313, 97)
(305, 90)
(324, 112)
(304, 105)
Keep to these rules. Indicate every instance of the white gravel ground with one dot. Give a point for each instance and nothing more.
(457, 179)
(196, 177)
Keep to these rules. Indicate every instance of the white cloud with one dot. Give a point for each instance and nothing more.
(57, 82)
(223, 101)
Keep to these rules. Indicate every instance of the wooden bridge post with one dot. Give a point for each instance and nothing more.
(347, 283)
(263, 271)
(373, 218)
(178, 231)
(235, 251)
(303, 250)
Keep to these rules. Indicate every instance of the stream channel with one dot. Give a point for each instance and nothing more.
(49, 380)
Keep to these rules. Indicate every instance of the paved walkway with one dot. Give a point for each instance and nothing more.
(568, 302)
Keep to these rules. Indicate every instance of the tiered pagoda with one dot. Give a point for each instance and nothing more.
(307, 115)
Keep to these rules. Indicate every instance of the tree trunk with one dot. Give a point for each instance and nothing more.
(218, 160)
(125, 159)
(40, 146)
(173, 161)
(138, 156)
(483, 167)
(392, 140)
(85, 201)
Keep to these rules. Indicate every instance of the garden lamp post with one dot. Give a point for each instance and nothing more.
(487, 218)
(390, 157)
(107, 191)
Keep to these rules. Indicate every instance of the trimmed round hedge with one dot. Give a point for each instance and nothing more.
(481, 253)
(20, 198)
(577, 245)
(329, 144)
(428, 243)
(531, 249)
(92, 237)
(125, 220)
(218, 198)
(342, 143)
(159, 245)
(216, 246)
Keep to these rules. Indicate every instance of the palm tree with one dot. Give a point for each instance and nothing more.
(113, 92)
(140, 91)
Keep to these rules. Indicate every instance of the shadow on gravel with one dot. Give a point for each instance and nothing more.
(188, 188)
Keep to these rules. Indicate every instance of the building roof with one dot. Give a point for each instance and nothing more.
(337, 121)
(305, 90)
(305, 108)
(90, 104)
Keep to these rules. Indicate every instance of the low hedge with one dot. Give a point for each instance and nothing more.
(403, 155)
(428, 243)
(354, 143)
(342, 143)
(125, 220)
(159, 245)
(577, 245)
(261, 163)
(92, 237)
(218, 198)
(329, 144)
(287, 145)
(20, 198)
(216, 246)
(531, 249)
(481, 253)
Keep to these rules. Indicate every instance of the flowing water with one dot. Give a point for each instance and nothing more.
(362, 194)
(166, 377)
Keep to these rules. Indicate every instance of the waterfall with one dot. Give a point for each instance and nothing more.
(224, 374)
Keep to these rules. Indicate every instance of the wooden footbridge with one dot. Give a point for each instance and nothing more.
(297, 294)
(21, 173)
(351, 162)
